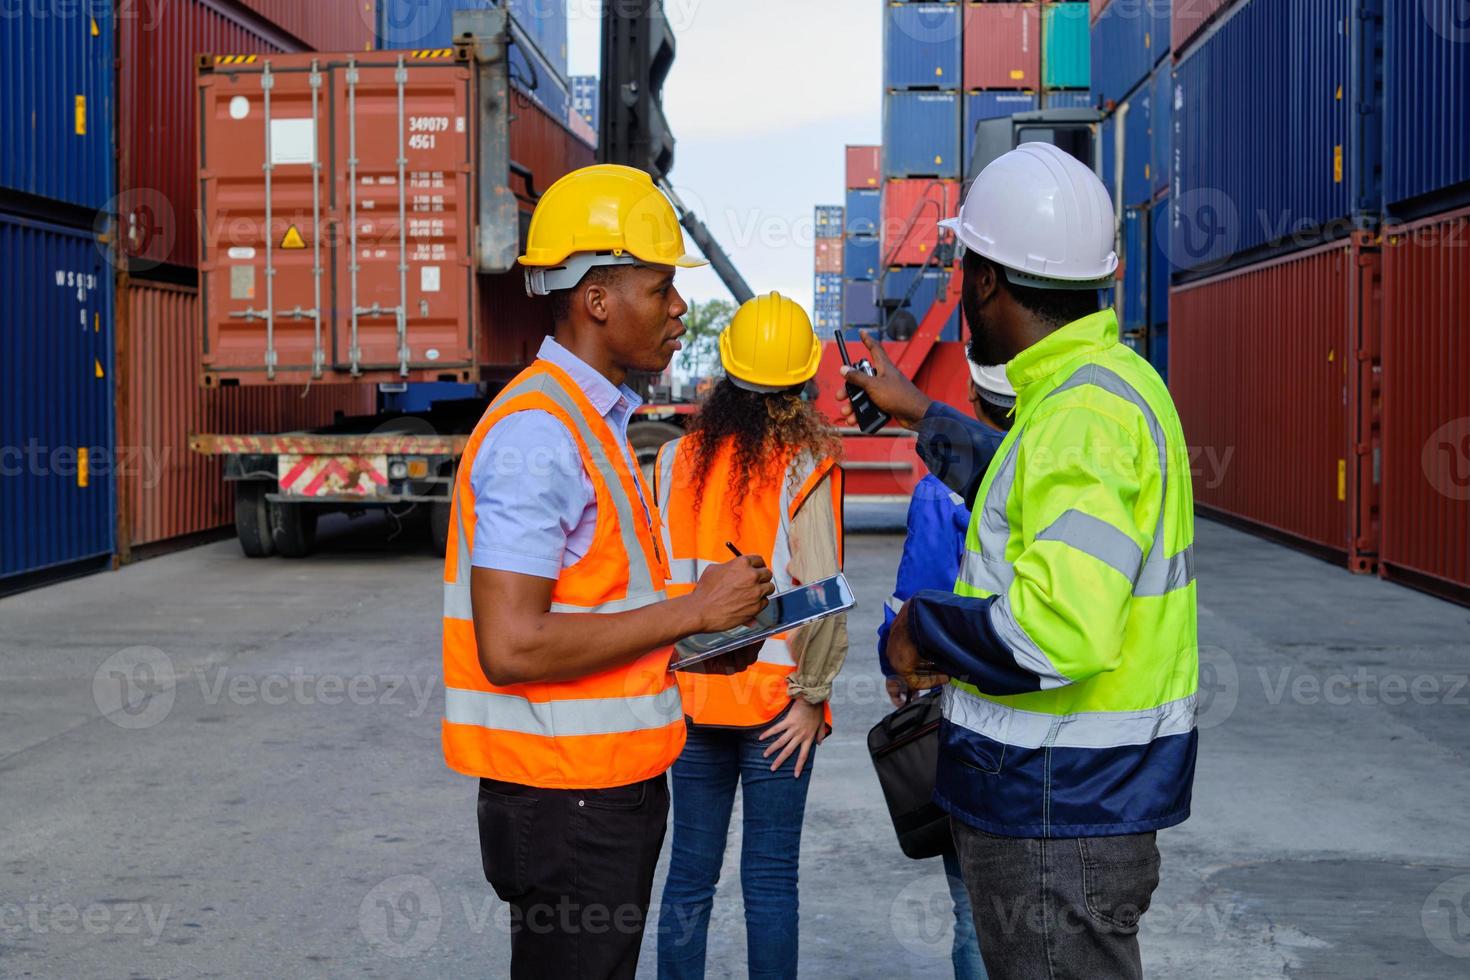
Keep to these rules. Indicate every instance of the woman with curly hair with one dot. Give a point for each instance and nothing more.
(759, 468)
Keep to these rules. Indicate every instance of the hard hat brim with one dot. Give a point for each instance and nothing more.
(691, 262)
(1019, 278)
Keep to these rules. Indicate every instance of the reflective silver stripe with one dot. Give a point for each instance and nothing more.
(457, 601)
(777, 651)
(1028, 655)
(686, 571)
(1161, 578)
(613, 605)
(457, 604)
(988, 569)
(894, 602)
(1096, 537)
(562, 719)
(1084, 730)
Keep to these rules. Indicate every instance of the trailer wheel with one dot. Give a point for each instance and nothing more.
(647, 438)
(439, 515)
(253, 520)
(293, 528)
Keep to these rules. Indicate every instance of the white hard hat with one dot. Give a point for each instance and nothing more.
(1043, 216)
(994, 386)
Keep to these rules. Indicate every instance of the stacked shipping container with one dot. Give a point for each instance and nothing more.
(827, 286)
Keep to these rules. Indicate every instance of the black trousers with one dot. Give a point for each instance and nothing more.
(576, 868)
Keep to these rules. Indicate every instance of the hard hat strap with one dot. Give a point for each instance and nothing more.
(543, 282)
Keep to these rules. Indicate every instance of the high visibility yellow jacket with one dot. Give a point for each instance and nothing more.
(1071, 634)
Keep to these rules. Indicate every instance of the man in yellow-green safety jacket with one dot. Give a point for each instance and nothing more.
(1069, 647)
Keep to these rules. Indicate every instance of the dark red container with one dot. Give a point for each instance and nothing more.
(323, 25)
(864, 167)
(912, 210)
(158, 113)
(544, 144)
(1426, 404)
(829, 255)
(1272, 368)
(165, 490)
(1002, 46)
(1189, 17)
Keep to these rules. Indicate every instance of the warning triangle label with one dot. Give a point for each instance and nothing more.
(293, 239)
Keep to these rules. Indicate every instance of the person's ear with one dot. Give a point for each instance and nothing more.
(596, 300)
(987, 280)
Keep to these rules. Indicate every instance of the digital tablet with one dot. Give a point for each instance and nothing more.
(786, 611)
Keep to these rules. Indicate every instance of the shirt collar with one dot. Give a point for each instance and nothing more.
(602, 393)
(1091, 334)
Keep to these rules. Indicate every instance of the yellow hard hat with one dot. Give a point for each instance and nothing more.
(601, 215)
(770, 345)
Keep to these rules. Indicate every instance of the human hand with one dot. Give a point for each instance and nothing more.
(903, 655)
(731, 594)
(898, 692)
(887, 388)
(727, 664)
(801, 728)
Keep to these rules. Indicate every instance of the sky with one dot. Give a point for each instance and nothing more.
(762, 98)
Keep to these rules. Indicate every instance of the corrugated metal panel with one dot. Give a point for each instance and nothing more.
(1261, 149)
(1158, 268)
(1138, 147)
(1133, 297)
(56, 103)
(1122, 49)
(512, 325)
(921, 46)
(864, 211)
(1067, 100)
(912, 210)
(864, 167)
(1003, 46)
(829, 255)
(325, 25)
(860, 304)
(829, 220)
(1162, 125)
(158, 120)
(56, 397)
(921, 134)
(980, 106)
(1426, 82)
(861, 258)
(1273, 413)
(1158, 351)
(1066, 46)
(1426, 400)
(1188, 18)
(827, 291)
(1160, 29)
(164, 489)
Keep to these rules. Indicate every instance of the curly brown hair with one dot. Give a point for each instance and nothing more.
(764, 427)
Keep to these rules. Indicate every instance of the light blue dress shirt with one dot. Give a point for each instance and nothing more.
(535, 509)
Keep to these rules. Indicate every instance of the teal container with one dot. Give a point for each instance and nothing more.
(1066, 47)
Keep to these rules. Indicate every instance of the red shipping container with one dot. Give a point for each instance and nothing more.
(1426, 404)
(158, 112)
(165, 490)
(864, 167)
(1272, 371)
(323, 25)
(1002, 45)
(912, 210)
(829, 255)
(1189, 17)
(1095, 9)
(545, 145)
(338, 261)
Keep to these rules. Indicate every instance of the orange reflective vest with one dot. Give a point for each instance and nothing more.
(694, 539)
(606, 729)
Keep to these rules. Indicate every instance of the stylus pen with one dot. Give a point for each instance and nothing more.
(733, 550)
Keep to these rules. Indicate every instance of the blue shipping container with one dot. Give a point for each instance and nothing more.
(897, 282)
(1068, 100)
(860, 306)
(827, 292)
(57, 493)
(1158, 266)
(860, 258)
(980, 106)
(1133, 297)
(1161, 33)
(921, 135)
(586, 96)
(56, 103)
(1426, 82)
(546, 22)
(1158, 351)
(1138, 147)
(864, 211)
(1162, 125)
(1263, 107)
(1122, 53)
(1107, 148)
(921, 46)
(421, 397)
(829, 220)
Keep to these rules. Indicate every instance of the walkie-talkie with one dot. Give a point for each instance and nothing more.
(870, 417)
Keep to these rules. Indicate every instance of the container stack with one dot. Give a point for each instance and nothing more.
(861, 257)
(827, 285)
(1002, 73)
(1066, 52)
(1317, 320)
(585, 95)
(1132, 83)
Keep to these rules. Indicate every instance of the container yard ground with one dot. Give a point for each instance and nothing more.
(282, 808)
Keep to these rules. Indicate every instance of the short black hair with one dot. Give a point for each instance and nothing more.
(561, 299)
(1057, 307)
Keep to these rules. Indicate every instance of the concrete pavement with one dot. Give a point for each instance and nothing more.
(220, 767)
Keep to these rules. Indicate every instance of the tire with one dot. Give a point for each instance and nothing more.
(647, 438)
(253, 520)
(439, 515)
(293, 528)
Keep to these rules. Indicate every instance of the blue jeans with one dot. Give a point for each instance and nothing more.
(966, 952)
(713, 761)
